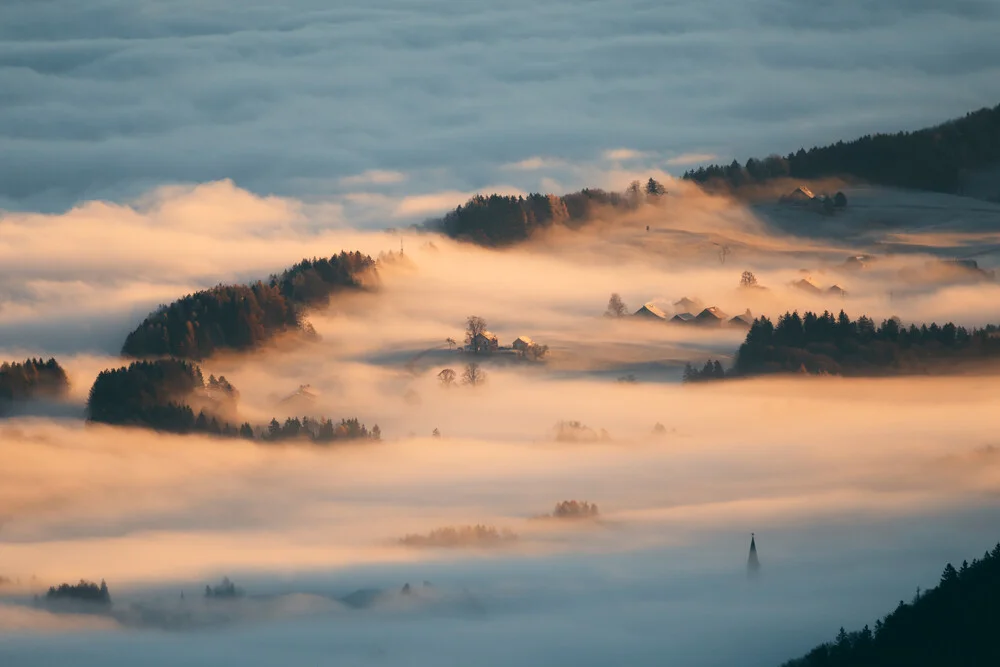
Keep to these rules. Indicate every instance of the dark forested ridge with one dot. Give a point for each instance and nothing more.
(839, 345)
(240, 317)
(32, 378)
(824, 344)
(159, 395)
(150, 394)
(952, 624)
(500, 220)
(85, 591)
(935, 158)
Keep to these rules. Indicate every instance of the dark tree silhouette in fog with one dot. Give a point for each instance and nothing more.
(32, 378)
(837, 345)
(934, 158)
(473, 375)
(241, 317)
(616, 307)
(954, 623)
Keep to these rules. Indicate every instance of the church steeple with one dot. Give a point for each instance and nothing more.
(753, 565)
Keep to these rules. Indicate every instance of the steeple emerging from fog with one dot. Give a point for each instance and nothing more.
(753, 565)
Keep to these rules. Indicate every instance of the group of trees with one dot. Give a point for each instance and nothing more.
(473, 375)
(825, 344)
(839, 345)
(32, 378)
(500, 220)
(952, 624)
(85, 591)
(934, 158)
(241, 317)
(151, 394)
(712, 370)
(227, 590)
(158, 395)
(461, 536)
(313, 430)
(574, 509)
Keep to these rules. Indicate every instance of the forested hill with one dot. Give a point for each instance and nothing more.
(501, 220)
(240, 317)
(32, 378)
(935, 158)
(950, 625)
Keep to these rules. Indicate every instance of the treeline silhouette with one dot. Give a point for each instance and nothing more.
(158, 395)
(32, 378)
(954, 623)
(500, 220)
(151, 394)
(85, 591)
(315, 430)
(838, 345)
(934, 158)
(461, 536)
(240, 317)
(712, 370)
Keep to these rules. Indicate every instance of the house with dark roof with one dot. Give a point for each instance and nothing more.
(651, 312)
(711, 316)
(687, 305)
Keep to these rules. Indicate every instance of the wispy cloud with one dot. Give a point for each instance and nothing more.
(624, 154)
(536, 163)
(374, 177)
(686, 159)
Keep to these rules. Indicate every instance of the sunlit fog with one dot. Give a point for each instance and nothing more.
(469, 452)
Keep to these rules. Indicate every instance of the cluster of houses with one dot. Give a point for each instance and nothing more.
(807, 285)
(685, 313)
(487, 342)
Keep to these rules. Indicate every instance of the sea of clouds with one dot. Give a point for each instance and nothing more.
(426, 101)
(154, 149)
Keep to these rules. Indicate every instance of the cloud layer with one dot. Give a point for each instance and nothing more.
(110, 99)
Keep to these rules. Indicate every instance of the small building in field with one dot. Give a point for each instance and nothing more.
(687, 305)
(807, 285)
(800, 196)
(651, 312)
(485, 342)
(682, 318)
(837, 290)
(711, 316)
(522, 344)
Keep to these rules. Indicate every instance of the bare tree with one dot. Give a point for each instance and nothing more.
(616, 307)
(473, 375)
(451, 343)
(475, 326)
(436, 433)
(446, 378)
(723, 252)
(748, 279)
(635, 194)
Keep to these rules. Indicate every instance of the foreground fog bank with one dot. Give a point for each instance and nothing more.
(858, 491)
(851, 514)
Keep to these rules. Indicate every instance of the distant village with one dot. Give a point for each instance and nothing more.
(687, 311)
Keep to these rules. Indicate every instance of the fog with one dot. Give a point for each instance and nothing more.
(858, 491)
(402, 107)
(155, 149)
